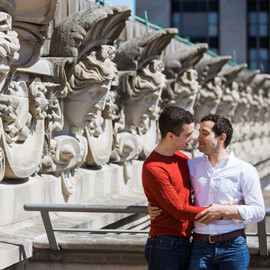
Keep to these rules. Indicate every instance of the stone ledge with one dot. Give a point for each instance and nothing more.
(91, 185)
(14, 250)
(17, 239)
(111, 246)
(92, 249)
(95, 242)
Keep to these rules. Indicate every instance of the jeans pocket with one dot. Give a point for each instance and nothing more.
(168, 244)
(238, 242)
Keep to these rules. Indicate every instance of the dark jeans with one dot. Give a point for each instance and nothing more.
(230, 255)
(167, 252)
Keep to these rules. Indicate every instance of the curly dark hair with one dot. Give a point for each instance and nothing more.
(172, 120)
(222, 125)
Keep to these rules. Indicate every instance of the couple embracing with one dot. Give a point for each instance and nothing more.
(220, 181)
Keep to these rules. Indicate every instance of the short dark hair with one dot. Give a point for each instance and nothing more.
(172, 120)
(222, 125)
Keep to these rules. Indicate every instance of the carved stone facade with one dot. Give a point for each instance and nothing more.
(95, 97)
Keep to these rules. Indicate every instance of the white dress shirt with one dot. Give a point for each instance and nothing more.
(231, 179)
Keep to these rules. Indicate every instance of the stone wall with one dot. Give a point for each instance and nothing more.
(85, 89)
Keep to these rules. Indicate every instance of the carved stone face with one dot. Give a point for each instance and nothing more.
(138, 110)
(148, 86)
(186, 88)
(90, 84)
(79, 109)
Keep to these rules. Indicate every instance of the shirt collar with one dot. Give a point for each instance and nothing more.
(223, 162)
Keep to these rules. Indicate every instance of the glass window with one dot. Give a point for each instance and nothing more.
(194, 24)
(212, 30)
(263, 53)
(263, 30)
(263, 66)
(252, 53)
(212, 18)
(252, 30)
(252, 18)
(199, 20)
(263, 17)
(252, 64)
(176, 18)
(259, 34)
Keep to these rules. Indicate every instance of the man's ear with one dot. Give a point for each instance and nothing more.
(170, 135)
(222, 138)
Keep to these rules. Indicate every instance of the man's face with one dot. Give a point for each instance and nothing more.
(182, 141)
(208, 142)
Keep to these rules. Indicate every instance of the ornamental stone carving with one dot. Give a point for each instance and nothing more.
(230, 97)
(141, 81)
(23, 102)
(95, 98)
(182, 79)
(209, 96)
(86, 38)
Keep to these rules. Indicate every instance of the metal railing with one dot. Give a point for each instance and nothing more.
(46, 208)
(262, 235)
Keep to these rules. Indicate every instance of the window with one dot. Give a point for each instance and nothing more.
(212, 24)
(258, 34)
(258, 24)
(176, 20)
(197, 20)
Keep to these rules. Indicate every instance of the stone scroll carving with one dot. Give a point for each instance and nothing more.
(95, 99)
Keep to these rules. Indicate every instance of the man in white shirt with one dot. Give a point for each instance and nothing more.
(219, 178)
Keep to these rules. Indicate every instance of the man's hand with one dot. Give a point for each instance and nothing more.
(234, 202)
(216, 212)
(212, 213)
(153, 211)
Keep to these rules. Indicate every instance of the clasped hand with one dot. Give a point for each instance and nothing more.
(212, 213)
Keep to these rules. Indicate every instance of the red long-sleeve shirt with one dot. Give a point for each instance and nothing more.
(166, 184)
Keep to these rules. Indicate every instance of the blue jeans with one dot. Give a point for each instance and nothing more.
(230, 255)
(167, 252)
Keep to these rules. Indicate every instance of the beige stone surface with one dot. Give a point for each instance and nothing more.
(79, 113)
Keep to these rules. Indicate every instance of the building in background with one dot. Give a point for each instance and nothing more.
(239, 28)
(130, 3)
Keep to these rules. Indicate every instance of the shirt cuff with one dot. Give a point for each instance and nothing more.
(241, 212)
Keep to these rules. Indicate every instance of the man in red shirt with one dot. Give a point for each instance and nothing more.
(165, 178)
